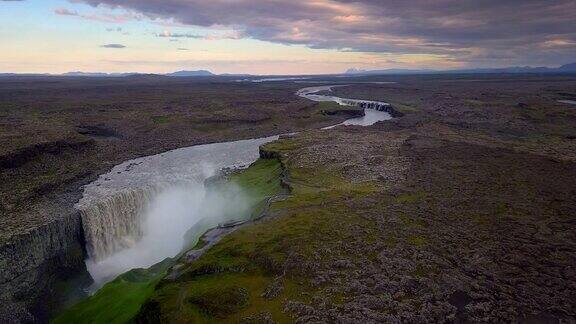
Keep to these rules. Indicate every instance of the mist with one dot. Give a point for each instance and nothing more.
(175, 217)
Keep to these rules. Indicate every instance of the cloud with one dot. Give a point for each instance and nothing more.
(472, 32)
(112, 46)
(107, 18)
(219, 36)
(168, 34)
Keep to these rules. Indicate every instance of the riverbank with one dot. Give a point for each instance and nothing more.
(385, 232)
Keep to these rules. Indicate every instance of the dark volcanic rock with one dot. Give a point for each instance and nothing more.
(97, 131)
(22, 156)
(344, 112)
(32, 263)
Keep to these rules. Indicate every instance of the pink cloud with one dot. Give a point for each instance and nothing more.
(101, 17)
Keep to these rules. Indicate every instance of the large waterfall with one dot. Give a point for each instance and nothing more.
(139, 213)
(115, 223)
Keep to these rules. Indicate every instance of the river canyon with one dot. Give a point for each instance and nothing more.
(141, 187)
(138, 214)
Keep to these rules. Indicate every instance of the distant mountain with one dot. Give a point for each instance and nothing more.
(173, 74)
(22, 74)
(567, 68)
(235, 74)
(93, 74)
(388, 71)
(117, 75)
(190, 73)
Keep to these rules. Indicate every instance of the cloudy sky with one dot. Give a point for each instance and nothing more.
(282, 37)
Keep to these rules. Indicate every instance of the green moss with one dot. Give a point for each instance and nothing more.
(218, 300)
(223, 298)
(411, 198)
(260, 180)
(119, 300)
(200, 244)
(418, 240)
(161, 119)
(502, 209)
(283, 145)
(333, 107)
(411, 222)
(405, 107)
(423, 271)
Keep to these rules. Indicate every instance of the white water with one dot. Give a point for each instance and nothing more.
(138, 230)
(166, 222)
(570, 102)
(139, 213)
(371, 116)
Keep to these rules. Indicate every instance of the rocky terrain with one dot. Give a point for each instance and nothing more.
(461, 211)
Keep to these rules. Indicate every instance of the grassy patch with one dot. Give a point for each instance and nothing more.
(411, 221)
(159, 120)
(287, 144)
(329, 108)
(218, 301)
(418, 240)
(200, 244)
(260, 180)
(404, 107)
(119, 300)
(411, 198)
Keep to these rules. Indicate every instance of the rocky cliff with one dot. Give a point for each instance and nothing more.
(35, 263)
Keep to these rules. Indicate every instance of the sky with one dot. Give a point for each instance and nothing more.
(282, 37)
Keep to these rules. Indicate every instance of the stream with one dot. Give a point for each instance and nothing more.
(139, 213)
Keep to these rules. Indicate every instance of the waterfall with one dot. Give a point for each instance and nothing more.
(139, 213)
(115, 223)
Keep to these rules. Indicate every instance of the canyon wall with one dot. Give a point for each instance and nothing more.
(33, 263)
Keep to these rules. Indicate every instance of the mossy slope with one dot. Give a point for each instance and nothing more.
(120, 300)
(252, 273)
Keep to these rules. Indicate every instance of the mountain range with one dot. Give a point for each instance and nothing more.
(567, 68)
(103, 74)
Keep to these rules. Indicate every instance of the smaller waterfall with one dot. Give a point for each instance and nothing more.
(115, 223)
(374, 111)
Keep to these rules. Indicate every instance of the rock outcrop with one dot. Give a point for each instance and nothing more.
(20, 157)
(32, 263)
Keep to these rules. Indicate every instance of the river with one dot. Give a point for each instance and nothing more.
(138, 214)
